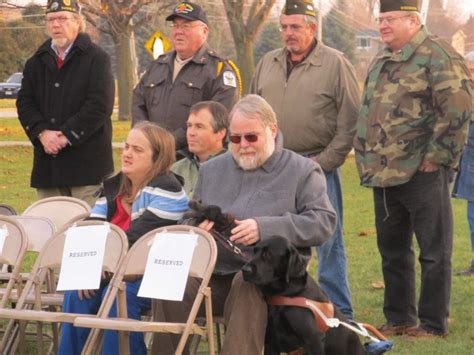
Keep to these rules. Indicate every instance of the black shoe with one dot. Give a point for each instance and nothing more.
(467, 272)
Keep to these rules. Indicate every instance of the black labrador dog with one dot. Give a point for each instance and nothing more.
(230, 257)
(277, 268)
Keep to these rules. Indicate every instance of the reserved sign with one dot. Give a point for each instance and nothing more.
(3, 237)
(83, 257)
(167, 268)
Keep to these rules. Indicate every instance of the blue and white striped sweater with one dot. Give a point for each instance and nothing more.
(162, 203)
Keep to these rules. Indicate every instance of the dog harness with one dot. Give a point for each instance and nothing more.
(326, 308)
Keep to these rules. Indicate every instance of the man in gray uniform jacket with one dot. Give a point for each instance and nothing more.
(271, 191)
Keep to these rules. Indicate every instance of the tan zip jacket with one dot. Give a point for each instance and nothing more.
(317, 106)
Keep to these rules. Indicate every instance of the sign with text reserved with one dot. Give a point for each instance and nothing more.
(167, 266)
(3, 236)
(83, 256)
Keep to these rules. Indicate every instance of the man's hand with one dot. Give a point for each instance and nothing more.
(428, 167)
(62, 140)
(85, 294)
(246, 232)
(52, 141)
(315, 158)
(206, 225)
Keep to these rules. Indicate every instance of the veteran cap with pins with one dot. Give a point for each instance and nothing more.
(299, 7)
(63, 5)
(189, 11)
(399, 5)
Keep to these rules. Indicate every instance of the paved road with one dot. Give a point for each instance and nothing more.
(8, 114)
(27, 144)
(13, 114)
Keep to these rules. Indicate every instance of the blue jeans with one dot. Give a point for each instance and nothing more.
(332, 272)
(470, 218)
(73, 338)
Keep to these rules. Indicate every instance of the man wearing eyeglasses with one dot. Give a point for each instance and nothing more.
(271, 191)
(410, 133)
(190, 73)
(65, 105)
(314, 92)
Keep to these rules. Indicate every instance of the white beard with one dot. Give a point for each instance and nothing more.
(257, 160)
(59, 42)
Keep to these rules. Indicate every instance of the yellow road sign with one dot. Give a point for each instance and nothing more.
(157, 44)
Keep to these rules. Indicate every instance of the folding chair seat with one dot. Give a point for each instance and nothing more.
(50, 258)
(61, 210)
(202, 266)
(7, 210)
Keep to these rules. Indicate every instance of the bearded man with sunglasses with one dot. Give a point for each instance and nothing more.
(314, 92)
(65, 104)
(410, 133)
(190, 73)
(271, 191)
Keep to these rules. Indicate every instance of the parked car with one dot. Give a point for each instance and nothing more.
(10, 88)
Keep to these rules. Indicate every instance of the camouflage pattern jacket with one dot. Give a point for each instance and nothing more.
(416, 106)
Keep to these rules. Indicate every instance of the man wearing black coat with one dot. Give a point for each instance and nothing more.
(65, 105)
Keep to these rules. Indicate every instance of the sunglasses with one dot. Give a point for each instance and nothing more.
(251, 138)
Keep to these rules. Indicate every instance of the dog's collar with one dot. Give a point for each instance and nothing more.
(327, 308)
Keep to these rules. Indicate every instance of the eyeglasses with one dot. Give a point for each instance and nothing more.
(184, 26)
(292, 27)
(388, 20)
(60, 19)
(251, 138)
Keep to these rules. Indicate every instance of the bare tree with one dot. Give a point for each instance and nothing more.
(119, 19)
(245, 31)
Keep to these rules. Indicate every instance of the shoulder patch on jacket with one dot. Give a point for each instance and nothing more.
(233, 78)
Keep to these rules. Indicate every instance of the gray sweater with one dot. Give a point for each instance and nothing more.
(286, 196)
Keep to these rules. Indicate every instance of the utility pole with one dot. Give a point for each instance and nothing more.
(320, 21)
(425, 4)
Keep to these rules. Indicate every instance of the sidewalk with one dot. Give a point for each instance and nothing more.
(28, 144)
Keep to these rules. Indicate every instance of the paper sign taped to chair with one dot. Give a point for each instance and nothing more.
(83, 257)
(167, 267)
(3, 236)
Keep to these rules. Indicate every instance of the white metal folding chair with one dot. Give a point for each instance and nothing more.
(61, 210)
(50, 258)
(202, 266)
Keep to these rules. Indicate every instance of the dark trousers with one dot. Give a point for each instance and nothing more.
(421, 206)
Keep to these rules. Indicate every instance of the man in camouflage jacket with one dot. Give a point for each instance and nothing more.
(411, 129)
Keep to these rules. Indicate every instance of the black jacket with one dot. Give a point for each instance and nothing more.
(77, 100)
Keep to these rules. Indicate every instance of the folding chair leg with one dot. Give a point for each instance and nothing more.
(209, 321)
(22, 339)
(55, 330)
(40, 341)
(124, 343)
(9, 334)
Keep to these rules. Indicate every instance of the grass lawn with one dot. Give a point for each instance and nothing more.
(363, 257)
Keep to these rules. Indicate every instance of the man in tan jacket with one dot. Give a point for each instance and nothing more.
(314, 92)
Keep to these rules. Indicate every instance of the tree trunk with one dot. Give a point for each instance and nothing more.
(126, 72)
(245, 62)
